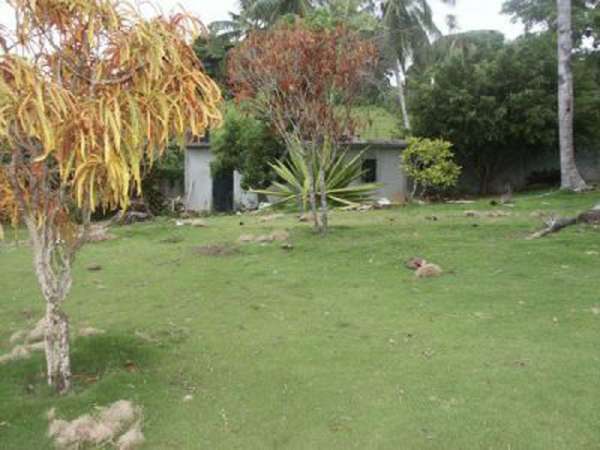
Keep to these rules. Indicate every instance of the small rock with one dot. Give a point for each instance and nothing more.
(245, 238)
(429, 270)
(496, 214)
(198, 223)
(94, 268)
(461, 202)
(188, 398)
(471, 213)
(191, 222)
(280, 235)
(384, 203)
(287, 246)
(271, 217)
(538, 214)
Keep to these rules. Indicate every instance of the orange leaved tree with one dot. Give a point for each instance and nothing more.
(305, 80)
(89, 89)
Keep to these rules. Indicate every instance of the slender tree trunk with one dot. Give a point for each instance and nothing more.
(570, 176)
(413, 192)
(53, 270)
(312, 195)
(57, 347)
(324, 205)
(401, 94)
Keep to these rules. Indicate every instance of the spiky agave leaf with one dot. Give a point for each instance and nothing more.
(340, 174)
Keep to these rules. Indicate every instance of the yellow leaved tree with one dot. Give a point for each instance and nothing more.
(89, 91)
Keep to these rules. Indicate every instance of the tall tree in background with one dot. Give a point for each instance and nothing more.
(89, 90)
(409, 29)
(574, 21)
(570, 176)
(267, 12)
(305, 80)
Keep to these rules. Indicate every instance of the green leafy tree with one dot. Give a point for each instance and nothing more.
(496, 103)
(430, 164)
(543, 13)
(248, 145)
(569, 19)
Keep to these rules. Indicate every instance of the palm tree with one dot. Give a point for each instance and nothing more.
(409, 29)
(267, 12)
(257, 14)
(570, 177)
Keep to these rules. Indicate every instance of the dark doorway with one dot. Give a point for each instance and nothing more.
(223, 191)
(369, 168)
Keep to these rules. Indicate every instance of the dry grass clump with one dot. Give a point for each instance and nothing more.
(275, 236)
(429, 270)
(26, 342)
(118, 425)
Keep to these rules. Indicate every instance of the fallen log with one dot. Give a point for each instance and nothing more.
(555, 224)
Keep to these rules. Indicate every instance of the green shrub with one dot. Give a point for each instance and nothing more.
(246, 144)
(430, 164)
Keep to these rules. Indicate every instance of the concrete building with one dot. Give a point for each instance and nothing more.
(203, 192)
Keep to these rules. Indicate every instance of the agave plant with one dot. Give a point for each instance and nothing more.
(293, 187)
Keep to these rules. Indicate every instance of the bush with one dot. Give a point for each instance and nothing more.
(248, 145)
(430, 164)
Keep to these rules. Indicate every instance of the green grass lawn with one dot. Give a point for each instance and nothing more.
(335, 344)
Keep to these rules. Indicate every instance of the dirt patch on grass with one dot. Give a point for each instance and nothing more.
(217, 250)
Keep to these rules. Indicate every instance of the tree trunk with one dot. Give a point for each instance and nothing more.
(312, 196)
(324, 205)
(58, 357)
(401, 95)
(570, 177)
(52, 265)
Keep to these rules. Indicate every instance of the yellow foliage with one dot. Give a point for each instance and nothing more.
(85, 102)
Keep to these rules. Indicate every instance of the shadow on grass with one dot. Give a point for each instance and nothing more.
(91, 357)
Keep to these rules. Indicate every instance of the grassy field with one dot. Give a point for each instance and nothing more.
(335, 344)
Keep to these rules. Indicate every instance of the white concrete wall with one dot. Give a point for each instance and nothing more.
(198, 181)
(389, 173)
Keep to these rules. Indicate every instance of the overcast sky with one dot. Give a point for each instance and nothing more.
(472, 14)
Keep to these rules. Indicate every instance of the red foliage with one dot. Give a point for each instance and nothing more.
(304, 79)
